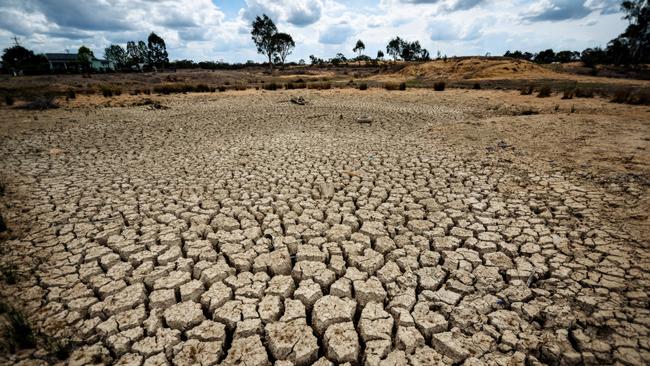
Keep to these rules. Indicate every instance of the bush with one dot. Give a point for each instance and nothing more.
(70, 94)
(621, 96)
(363, 86)
(270, 86)
(527, 90)
(635, 97)
(41, 104)
(569, 93)
(222, 88)
(476, 86)
(174, 88)
(584, 93)
(319, 86)
(9, 100)
(439, 86)
(295, 85)
(544, 92)
(395, 86)
(109, 90)
(202, 88)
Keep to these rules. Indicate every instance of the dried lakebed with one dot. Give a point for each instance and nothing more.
(250, 231)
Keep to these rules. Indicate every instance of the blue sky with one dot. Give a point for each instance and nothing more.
(219, 29)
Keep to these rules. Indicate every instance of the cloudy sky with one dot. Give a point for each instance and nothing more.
(219, 29)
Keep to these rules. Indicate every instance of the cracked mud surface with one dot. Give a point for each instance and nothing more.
(248, 231)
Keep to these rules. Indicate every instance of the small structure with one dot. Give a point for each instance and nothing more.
(69, 62)
(63, 62)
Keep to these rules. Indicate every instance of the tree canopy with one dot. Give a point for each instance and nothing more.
(157, 51)
(263, 34)
(284, 45)
(117, 55)
(407, 51)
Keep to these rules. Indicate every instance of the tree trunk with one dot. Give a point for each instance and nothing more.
(270, 65)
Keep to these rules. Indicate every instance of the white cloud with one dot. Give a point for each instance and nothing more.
(200, 30)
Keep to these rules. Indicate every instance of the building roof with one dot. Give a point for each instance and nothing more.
(67, 57)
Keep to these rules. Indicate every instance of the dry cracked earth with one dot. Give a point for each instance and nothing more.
(245, 230)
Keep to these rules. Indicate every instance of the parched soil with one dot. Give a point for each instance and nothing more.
(458, 227)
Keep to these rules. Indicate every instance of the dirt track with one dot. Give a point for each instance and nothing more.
(239, 228)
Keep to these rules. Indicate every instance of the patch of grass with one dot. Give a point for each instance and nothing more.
(18, 334)
(9, 100)
(439, 86)
(363, 86)
(569, 93)
(544, 92)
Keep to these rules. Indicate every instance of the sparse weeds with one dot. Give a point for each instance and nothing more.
(18, 334)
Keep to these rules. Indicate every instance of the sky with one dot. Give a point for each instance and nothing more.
(219, 30)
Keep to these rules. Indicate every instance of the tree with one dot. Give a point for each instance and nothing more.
(358, 48)
(143, 50)
(133, 53)
(413, 51)
(545, 57)
(84, 56)
(156, 50)
(284, 45)
(263, 33)
(637, 34)
(566, 56)
(394, 48)
(338, 59)
(593, 56)
(117, 55)
(380, 55)
(18, 58)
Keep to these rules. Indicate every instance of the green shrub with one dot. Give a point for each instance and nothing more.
(544, 92)
(439, 86)
(9, 100)
(363, 86)
(476, 86)
(70, 94)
